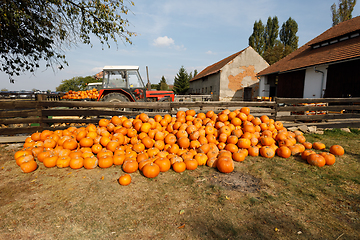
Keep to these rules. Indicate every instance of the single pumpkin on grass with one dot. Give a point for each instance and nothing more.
(337, 150)
(125, 180)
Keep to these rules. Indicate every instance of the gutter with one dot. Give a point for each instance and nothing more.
(322, 81)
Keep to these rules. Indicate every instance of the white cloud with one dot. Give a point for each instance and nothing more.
(164, 41)
(210, 53)
(168, 42)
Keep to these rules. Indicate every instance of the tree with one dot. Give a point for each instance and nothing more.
(75, 83)
(181, 82)
(344, 11)
(256, 40)
(265, 39)
(4, 90)
(288, 34)
(163, 84)
(32, 31)
(274, 54)
(271, 32)
(154, 86)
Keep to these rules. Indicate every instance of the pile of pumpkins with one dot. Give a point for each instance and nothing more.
(181, 142)
(80, 95)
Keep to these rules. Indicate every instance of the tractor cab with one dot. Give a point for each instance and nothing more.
(124, 84)
(124, 80)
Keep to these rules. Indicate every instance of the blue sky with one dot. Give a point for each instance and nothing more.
(189, 33)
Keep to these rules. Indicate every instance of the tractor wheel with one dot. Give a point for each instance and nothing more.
(116, 97)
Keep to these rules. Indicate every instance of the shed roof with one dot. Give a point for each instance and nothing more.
(330, 46)
(216, 67)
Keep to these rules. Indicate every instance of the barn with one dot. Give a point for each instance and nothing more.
(231, 79)
(328, 66)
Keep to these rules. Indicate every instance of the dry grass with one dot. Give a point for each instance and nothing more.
(262, 199)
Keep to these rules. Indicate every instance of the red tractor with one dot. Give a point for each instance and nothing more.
(124, 84)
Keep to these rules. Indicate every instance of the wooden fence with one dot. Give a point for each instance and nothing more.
(21, 116)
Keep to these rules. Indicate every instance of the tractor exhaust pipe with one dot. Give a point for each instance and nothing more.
(148, 81)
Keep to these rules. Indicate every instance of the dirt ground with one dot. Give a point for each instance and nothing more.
(262, 199)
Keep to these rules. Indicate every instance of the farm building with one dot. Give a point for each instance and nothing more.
(327, 66)
(231, 79)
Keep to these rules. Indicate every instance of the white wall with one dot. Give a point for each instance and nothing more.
(264, 89)
(315, 82)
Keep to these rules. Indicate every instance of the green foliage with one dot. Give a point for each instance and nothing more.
(39, 30)
(344, 11)
(163, 84)
(256, 40)
(264, 39)
(274, 54)
(4, 90)
(75, 83)
(271, 32)
(182, 81)
(288, 34)
(154, 86)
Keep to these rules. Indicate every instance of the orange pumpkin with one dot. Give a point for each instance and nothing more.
(316, 160)
(225, 164)
(238, 156)
(283, 152)
(119, 159)
(201, 158)
(76, 162)
(22, 159)
(253, 151)
(151, 170)
(337, 150)
(179, 167)
(306, 153)
(90, 162)
(329, 158)
(125, 180)
(63, 162)
(86, 142)
(106, 161)
(267, 152)
(163, 163)
(29, 166)
(191, 164)
(318, 146)
(50, 161)
(130, 166)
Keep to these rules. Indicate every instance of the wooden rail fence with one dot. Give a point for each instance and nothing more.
(21, 116)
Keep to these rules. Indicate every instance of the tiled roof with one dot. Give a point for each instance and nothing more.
(215, 67)
(306, 56)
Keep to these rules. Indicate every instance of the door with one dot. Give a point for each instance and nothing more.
(247, 94)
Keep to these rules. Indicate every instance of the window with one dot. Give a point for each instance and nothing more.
(211, 89)
(205, 89)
